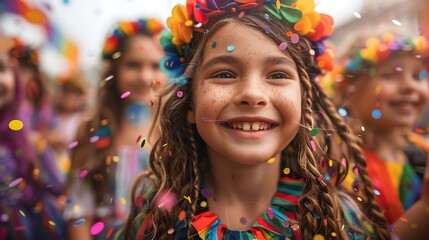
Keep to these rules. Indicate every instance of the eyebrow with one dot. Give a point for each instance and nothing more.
(230, 60)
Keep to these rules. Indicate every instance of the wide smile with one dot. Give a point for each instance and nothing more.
(249, 126)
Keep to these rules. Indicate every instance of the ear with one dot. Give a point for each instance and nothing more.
(191, 116)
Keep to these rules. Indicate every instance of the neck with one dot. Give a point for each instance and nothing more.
(241, 191)
(388, 144)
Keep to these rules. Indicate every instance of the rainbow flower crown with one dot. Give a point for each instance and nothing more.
(298, 15)
(378, 49)
(113, 44)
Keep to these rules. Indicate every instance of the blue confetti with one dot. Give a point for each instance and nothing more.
(214, 44)
(267, 16)
(267, 29)
(230, 48)
(423, 74)
(376, 192)
(376, 114)
(79, 222)
(342, 112)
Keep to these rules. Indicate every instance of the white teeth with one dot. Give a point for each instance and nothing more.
(249, 126)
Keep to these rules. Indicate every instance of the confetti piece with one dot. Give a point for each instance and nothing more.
(313, 145)
(123, 201)
(333, 234)
(362, 128)
(139, 138)
(267, 29)
(179, 94)
(83, 173)
(207, 193)
(270, 213)
(230, 48)
(16, 125)
(214, 44)
(109, 233)
(342, 112)
(294, 38)
(314, 132)
(97, 228)
(15, 182)
(170, 231)
(320, 178)
(52, 223)
(79, 222)
(376, 114)
(312, 52)
(286, 171)
(125, 94)
(165, 200)
(282, 46)
(271, 160)
(73, 144)
(389, 228)
(241, 14)
(267, 16)
(182, 215)
(403, 219)
(286, 224)
(396, 22)
(76, 208)
(376, 192)
(4, 217)
(278, 4)
(115, 159)
(318, 237)
(423, 74)
(22, 213)
(243, 220)
(94, 139)
(359, 199)
(357, 15)
(104, 122)
(203, 204)
(108, 78)
(164, 145)
(331, 163)
(143, 143)
(116, 55)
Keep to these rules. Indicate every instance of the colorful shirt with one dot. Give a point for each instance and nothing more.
(277, 222)
(114, 209)
(397, 186)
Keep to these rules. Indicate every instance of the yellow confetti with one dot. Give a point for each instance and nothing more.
(333, 234)
(123, 201)
(115, 159)
(286, 171)
(76, 208)
(52, 223)
(188, 198)
(278, 4)
(338, 140)
(403, 219)
(203, 204)
(331, 163)
(318, 237)
(359, 199)
(22, 213)
(164, 145)
(16, 125)
(116, 55)
(271, 160)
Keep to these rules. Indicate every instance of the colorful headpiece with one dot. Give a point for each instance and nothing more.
(113, 43)
(372, 51)
(298, 15)
(376, 50)
(25, 55)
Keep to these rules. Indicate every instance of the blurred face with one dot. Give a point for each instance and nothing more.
(247, 99)
(71, 98)
(138, 69)
(400, 90)
(7, 81)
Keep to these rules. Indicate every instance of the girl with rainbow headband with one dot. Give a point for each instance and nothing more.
(246, 133)
(112, 147)
(382, 82)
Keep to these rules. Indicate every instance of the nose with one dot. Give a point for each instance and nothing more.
(251, 92)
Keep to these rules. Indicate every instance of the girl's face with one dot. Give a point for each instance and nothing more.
(138, 69)
(399, 89)
(7, 81)
(247, 96)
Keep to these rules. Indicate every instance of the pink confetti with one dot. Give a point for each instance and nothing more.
(97, 228)
(139, 138)
(166, 200)
(15, 182)
(313, 145)
(73, 144)
(282, 46)
(170, 231)
(270, 213)
(179, 94)
(294, 38)
(125, 94)
(286, 224)
(83, 173)
(241, 14)
(94, 139)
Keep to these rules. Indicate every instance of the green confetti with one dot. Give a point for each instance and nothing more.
(314, 132)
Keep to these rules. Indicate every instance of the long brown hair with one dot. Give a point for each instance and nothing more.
(178, 158)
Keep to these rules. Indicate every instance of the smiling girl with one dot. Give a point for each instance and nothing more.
(246, 132)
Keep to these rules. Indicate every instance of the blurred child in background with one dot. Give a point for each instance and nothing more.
(29, 184)
(382, 86)
(113, 146)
